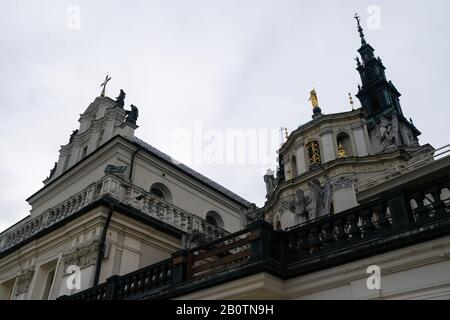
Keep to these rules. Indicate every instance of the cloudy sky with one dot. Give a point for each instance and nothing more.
(223, 64)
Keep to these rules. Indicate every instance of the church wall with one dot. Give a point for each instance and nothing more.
(325, 133)
(187, 194)
(343, 174)
(344, 199)
(301, 159)
(360, 142)
(130, 245)
(77, 180)
(327, 146)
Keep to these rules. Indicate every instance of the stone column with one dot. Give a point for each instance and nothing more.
(327, 146)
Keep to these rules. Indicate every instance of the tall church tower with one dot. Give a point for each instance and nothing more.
(380, 100)
(102, 120)
(326, 163)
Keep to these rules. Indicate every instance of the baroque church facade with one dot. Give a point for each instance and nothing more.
(119, 219)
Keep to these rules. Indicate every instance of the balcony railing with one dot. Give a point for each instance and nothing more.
(123, 192)
(400, 218)
(151, 278)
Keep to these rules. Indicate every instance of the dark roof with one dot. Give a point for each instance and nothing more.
(185, 169)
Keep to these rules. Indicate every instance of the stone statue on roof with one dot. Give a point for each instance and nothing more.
(132, 115)
(313, 98)
(74, 133)
(120, 100)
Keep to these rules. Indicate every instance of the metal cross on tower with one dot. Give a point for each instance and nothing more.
(107, 78)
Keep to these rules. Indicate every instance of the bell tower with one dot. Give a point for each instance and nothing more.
(380, 100)
(101, 121)
(377, 94)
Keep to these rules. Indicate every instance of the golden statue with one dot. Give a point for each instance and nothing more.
(314, 153)
(342, 153)
(313, 98)
(289, 175)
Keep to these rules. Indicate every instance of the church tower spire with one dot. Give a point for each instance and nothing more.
(377, 94)
(379, 98)
(360, 29)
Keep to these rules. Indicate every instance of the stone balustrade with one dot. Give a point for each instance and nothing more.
(29, 227)
(123, 192)
(158, 208)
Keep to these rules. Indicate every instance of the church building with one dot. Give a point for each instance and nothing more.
(354, 195)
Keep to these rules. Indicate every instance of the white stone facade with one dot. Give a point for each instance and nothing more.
(35, 254)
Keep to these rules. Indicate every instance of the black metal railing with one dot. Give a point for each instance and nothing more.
(130, 285)
(395, 219)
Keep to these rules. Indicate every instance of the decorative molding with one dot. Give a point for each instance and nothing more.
(24, 280)
(343, 182)
(82, 256)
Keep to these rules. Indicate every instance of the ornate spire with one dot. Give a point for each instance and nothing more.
(360, 29)
(350, 98)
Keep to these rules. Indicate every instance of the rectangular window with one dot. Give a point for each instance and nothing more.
(48, 284)
(44, 281)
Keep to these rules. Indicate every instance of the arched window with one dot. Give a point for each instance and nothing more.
(214, 218)
(161, 191)
(344, 145)
(313, 149)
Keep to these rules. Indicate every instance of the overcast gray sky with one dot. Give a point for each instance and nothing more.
(228, 64)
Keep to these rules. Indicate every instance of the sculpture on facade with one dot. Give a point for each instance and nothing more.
(250, 215)
(193, 239)
(327, 196)
(298, 206)
(387, 132)
(53, 170)
(316, 204)
(395, 131)
(120, 100)
(384, 129)
(269, 179)
(132, 115)
(74, 133)
(24, 281)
